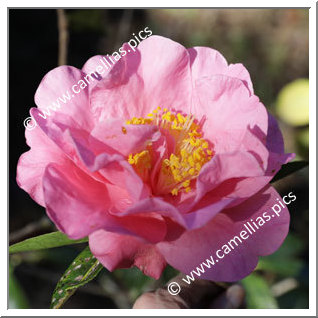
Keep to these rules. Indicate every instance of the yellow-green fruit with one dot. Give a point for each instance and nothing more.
(293, 103)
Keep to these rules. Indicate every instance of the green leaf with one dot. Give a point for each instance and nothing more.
(285, 268)
(49, 240)
(289, 168)
(284, 261)
(290, 249)
(258, 294)
(17, 297)
(83, 269)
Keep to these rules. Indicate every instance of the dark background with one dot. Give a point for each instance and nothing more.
(272, 44)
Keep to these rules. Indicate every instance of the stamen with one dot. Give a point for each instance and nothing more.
(179, 171)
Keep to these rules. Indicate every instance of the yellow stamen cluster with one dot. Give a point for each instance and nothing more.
(140, 158)
(139, 121)
(190, 154)
(186, 164)
(141, 161)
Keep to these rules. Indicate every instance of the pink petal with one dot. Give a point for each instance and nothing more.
(122, 251)
(157, 205)
(194, 247)
(57, 82)
(122, 101)
(82, 203)
(64, 134)
(203, 212)
(226, 166)
(253, 169)
(114, 169)
(32, 164)
(238, 70)
(171, 67)
(92, 63)
(206, 62)
(141, 81)
(274, 140)
(131, 138)
(227, 107)
(150, 227)
(98, 66)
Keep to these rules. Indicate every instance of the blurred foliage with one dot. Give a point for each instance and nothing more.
(288, 169)
(271, 43)
(303, 138)
(285, 262)
(276, 268)
(258, 294)
(86, 20)
(129, 284)
(17, 297)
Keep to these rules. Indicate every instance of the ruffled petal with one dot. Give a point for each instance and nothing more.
(158, 206)
(228, 110)
(141, 81)
(223, 167)
(81, 207)
(84, 206)
(125, 139)
(206, 62)
(32, 164)
(115, 169)
(194, 247)
(122, 251)
(55, 92)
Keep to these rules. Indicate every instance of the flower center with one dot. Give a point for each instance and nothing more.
(182, 166)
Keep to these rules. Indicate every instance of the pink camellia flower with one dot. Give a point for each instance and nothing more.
(162, 159)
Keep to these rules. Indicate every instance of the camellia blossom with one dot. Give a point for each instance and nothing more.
(161, 160)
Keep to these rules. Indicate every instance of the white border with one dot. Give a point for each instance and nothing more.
(312, 158)
(164, 312)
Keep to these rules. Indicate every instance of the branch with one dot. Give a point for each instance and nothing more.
(63, 36)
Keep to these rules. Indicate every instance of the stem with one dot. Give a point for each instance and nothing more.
(63, 36)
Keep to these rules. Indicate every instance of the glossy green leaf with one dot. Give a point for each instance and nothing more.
(49, 240)
(258, 294)
(288, 169)
(83, 269)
